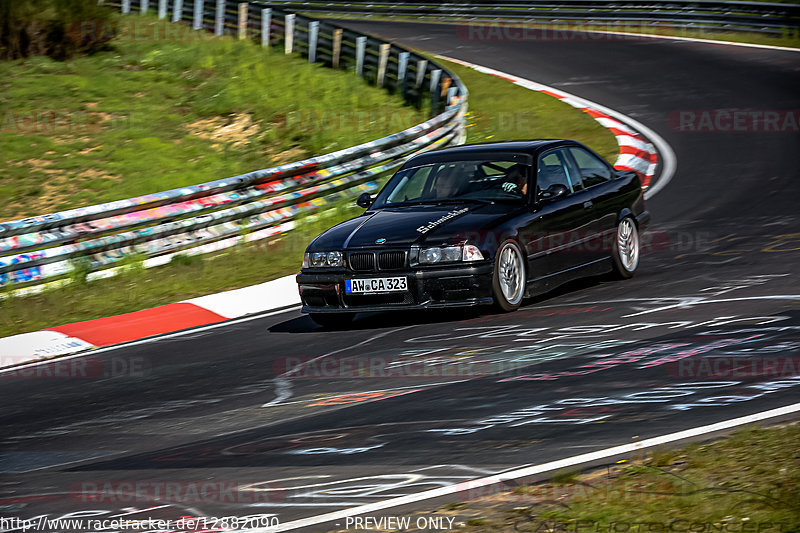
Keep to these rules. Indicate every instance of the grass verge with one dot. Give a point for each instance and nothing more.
(499, 110)
(170, 107)
(746, 483)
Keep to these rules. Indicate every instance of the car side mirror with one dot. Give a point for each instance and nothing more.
(625, 174)
(364, 200)
(553, 192)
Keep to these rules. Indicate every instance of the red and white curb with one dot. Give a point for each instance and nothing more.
(640, 150)
(636, 152)
(81, 336)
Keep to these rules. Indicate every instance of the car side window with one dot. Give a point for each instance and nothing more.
(593, 170)
(573, 172)
(551, 170)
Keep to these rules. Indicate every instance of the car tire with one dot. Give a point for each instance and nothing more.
(625, 249)
(332, 320)
(508, 279)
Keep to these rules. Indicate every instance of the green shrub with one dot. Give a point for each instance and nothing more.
(54, 28)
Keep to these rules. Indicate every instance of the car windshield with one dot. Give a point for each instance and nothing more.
(457, 182)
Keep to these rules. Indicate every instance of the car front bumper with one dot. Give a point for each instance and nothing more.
(429, 288)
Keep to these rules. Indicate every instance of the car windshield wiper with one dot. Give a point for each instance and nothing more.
(442, 201)
(408, 202)
(463, 201)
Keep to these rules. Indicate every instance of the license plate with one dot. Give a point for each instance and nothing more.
(375, 285)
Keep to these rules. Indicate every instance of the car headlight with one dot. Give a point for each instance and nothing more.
(322, 259)
(449, 254)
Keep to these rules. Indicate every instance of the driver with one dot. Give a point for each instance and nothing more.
(516, 180)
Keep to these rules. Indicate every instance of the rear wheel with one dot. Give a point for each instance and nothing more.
(625, 250)
(332, 320)
(508, 280)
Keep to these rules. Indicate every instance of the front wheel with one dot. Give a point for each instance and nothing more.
(625, 250)
(332, 320)
(508, 280)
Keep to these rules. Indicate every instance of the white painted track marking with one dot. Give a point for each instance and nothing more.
(699, 40)
(533, 470)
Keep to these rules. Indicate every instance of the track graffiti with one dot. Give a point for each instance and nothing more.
(326, 490)
(673, 397)
(668, 353)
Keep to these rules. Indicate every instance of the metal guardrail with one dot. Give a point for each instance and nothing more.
(706, 15)
(202, 218)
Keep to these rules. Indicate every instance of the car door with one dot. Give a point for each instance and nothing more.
(554, 239)
(597, 177)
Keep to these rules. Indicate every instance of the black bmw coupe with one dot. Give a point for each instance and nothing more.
(477, 224)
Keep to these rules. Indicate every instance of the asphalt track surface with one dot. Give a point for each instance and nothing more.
(453, 397)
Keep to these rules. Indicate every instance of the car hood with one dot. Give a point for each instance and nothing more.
(405, 226)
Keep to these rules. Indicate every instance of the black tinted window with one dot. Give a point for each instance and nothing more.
(593, 170)
(551, 171)
(475, 181)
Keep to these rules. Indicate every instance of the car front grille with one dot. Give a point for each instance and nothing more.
(394, 260)
(386, 260)
(362, 261)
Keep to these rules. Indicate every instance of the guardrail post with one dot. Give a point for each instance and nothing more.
(162, 9)
(361, 48)
(219, 21)
(435, 96)
(177, 11)
(145, 4)
(198, 15)
(313, 35)
(422, 66)
(126, 7)
(383, 59)
(242, 21)
(289, 38)
(337, 47)
(266, 23)
(402, 70)
(451, 95)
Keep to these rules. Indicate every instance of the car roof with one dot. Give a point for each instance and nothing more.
(521, 151)
(528, 145)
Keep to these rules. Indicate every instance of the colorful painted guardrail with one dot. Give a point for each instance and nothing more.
(41, 251)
